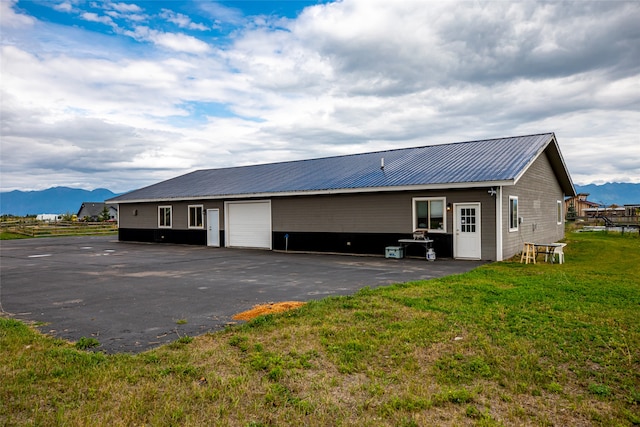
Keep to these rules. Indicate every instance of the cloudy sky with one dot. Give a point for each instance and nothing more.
(124, 94)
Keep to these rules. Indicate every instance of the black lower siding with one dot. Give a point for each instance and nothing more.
(169, 235)
(348, 243)
(359, 243)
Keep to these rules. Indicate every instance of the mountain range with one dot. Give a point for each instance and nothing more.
(618, 193)
(56, 200)
(61, 200)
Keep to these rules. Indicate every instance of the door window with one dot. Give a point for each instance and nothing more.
(468, 220)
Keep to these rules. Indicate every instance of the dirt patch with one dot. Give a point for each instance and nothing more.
(274, 307)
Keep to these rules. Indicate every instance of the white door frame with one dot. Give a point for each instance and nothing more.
(213, 228)
(475, 252)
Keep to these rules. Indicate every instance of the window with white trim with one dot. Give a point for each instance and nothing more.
(165, 215)
(429, 214)
(559, 214)
(195, 216)
(513, 213)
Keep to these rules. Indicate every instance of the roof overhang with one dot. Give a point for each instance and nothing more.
(430, 187)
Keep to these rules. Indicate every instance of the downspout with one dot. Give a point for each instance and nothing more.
(499, 223)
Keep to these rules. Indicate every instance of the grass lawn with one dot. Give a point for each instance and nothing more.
(6, 235)
(506, 344)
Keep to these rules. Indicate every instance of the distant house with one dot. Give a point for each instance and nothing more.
(92, 211)
(476, 200)
(49, 217)
(580, 205)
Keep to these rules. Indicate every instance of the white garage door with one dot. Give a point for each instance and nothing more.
(248, 224)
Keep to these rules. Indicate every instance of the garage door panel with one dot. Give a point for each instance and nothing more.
(249, 224)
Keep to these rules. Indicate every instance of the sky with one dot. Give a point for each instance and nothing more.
(120, 95)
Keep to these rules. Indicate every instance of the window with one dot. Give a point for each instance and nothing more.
(428, 214)
(164, 216)
(513, 213)
(195, 216)
(559, 215)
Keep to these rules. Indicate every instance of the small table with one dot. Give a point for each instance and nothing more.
(532, 250)
(425, 242)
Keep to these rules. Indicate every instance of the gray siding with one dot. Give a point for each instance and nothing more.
(368, 213)
(357, 213)
(145, 215)
(374, 213)
(538, 192)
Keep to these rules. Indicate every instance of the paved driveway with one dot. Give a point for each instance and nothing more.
(130, 296)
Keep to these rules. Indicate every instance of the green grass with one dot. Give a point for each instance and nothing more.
(506, 344)
(31, 229)
(6, 235)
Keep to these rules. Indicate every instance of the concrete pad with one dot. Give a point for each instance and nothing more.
(134, 296)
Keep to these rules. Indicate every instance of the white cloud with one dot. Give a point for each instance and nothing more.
(179, 42)
(222, 14)
(345, 77)
(181, 20)
(9, 18)
(94, 17)
(64, 7)
(123, 7)
(174, 41)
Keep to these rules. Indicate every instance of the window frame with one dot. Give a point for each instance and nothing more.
(428, 229)
(513, 218)
(559, 213)
(161, 216)
(201, 207)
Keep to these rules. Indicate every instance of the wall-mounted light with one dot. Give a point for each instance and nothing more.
(449, 206)
(492, 192)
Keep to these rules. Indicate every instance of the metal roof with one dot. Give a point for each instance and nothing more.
(474, 163)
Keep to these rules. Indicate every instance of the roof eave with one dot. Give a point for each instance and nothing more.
(419, 187)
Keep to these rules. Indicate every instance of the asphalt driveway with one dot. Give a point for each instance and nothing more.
(134, 296)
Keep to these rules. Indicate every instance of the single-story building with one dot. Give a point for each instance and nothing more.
(49, 217)
(94, 211)
(476, 200)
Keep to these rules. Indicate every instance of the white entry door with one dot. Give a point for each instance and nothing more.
(213, 227)
(467, 241)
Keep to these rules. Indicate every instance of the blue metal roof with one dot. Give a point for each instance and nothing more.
(475, 162)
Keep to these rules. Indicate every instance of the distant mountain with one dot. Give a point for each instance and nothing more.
(618, 193)
(56, 200)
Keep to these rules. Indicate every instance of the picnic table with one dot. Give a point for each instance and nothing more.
(531, 251)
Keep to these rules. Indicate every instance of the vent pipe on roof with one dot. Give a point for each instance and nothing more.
(382, 163)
